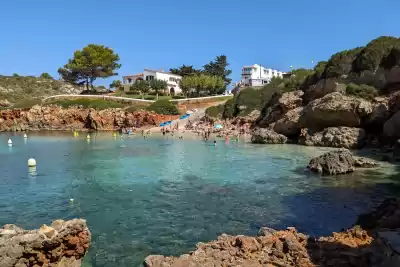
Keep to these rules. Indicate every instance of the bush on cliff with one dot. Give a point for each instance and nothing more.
(164, 107)
(372, 55)
(229, 109)
(86, 103)
(215, 111)
(363, 91)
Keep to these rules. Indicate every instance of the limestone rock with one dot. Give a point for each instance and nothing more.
(278, 106)
(361, 162)
(322, 88)
(333, 163)
(289, 125)
(380, 112)
(267, 136)
(391, 128)
(334, 110)
(46, 246)
(340, 137)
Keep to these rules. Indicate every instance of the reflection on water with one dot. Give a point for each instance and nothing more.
(162, 196)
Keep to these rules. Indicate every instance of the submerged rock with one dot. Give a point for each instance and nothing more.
(333, 163)
(63, 244)
(267, 136)
(361, 162)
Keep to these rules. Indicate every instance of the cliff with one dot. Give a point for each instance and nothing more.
(75, 118)
(374, 242)
(16, 88)
(62, 244)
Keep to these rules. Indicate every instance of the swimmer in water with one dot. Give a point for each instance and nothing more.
(215, 143)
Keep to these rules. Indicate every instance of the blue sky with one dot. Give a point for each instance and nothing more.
(39, 36)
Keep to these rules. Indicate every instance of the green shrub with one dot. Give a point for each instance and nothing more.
(375, 51)
(229, 109)
(178, 97)
(363, 91)
(215, 111)
(248, 100)
(341, 63)
(86, 103)
(164, 107)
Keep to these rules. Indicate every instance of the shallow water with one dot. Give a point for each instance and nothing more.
(162, 196)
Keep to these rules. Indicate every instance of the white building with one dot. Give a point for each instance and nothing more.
(257, 75)
(149, 75)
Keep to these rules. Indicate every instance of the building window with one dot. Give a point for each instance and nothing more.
(149, 78)
(129, 80)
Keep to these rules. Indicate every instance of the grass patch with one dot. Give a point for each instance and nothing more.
(87, 103)
(26, 103)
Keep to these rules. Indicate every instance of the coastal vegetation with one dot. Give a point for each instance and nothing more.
(90, 63)
(86, 103)
(164, 107)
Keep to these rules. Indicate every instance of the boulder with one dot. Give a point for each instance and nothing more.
(340, 137)
(396, 150)
(391, 128)
(322, 88)
(267, 136)
(361, 162)
(333, 163)
(380, 112)
(4, 103)
(63, 244)
(334, 110)
(289, 125)
(278, 106)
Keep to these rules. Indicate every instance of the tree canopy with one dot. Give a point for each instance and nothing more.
(115, 84)
(158, 85)
(92, 62)
(219, 67)
(45, 75)
(141, 86)
(185, 71)
(202, 85)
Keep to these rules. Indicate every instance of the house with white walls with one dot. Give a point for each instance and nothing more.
(172, 80)
(257, 75)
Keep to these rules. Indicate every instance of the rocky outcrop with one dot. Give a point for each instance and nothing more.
(322, 88)
(361, 162)
(340, 137)
(380, 113)
(289, 125)
(375, 242)
(62, 244)
(334, 110)
(391, 128)
(57, 118)
(333, 163)
(267, 136)
(278, 106)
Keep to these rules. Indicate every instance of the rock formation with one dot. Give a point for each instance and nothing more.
(334, 110)
(340, 137)
(267, 136)
(339, 161)
(57, 118)
(374, 243)
(62, 244)
(333, 163)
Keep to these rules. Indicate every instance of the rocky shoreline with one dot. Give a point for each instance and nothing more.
(62, 244)
(55, 118)
(373, 241)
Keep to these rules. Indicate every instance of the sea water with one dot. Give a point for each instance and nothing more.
(162, 195)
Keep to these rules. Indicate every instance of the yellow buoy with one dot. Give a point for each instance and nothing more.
(115, 134)
(31, 162)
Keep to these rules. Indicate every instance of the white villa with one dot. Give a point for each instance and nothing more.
(257, 75)
(148, 75)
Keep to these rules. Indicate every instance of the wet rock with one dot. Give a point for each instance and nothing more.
(267, 136)
(361, 162)
(46, 246)
(335, 110)
(340, 137)
(333, 163)
(396, 150)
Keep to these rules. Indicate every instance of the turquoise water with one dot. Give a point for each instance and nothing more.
(162, 196)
